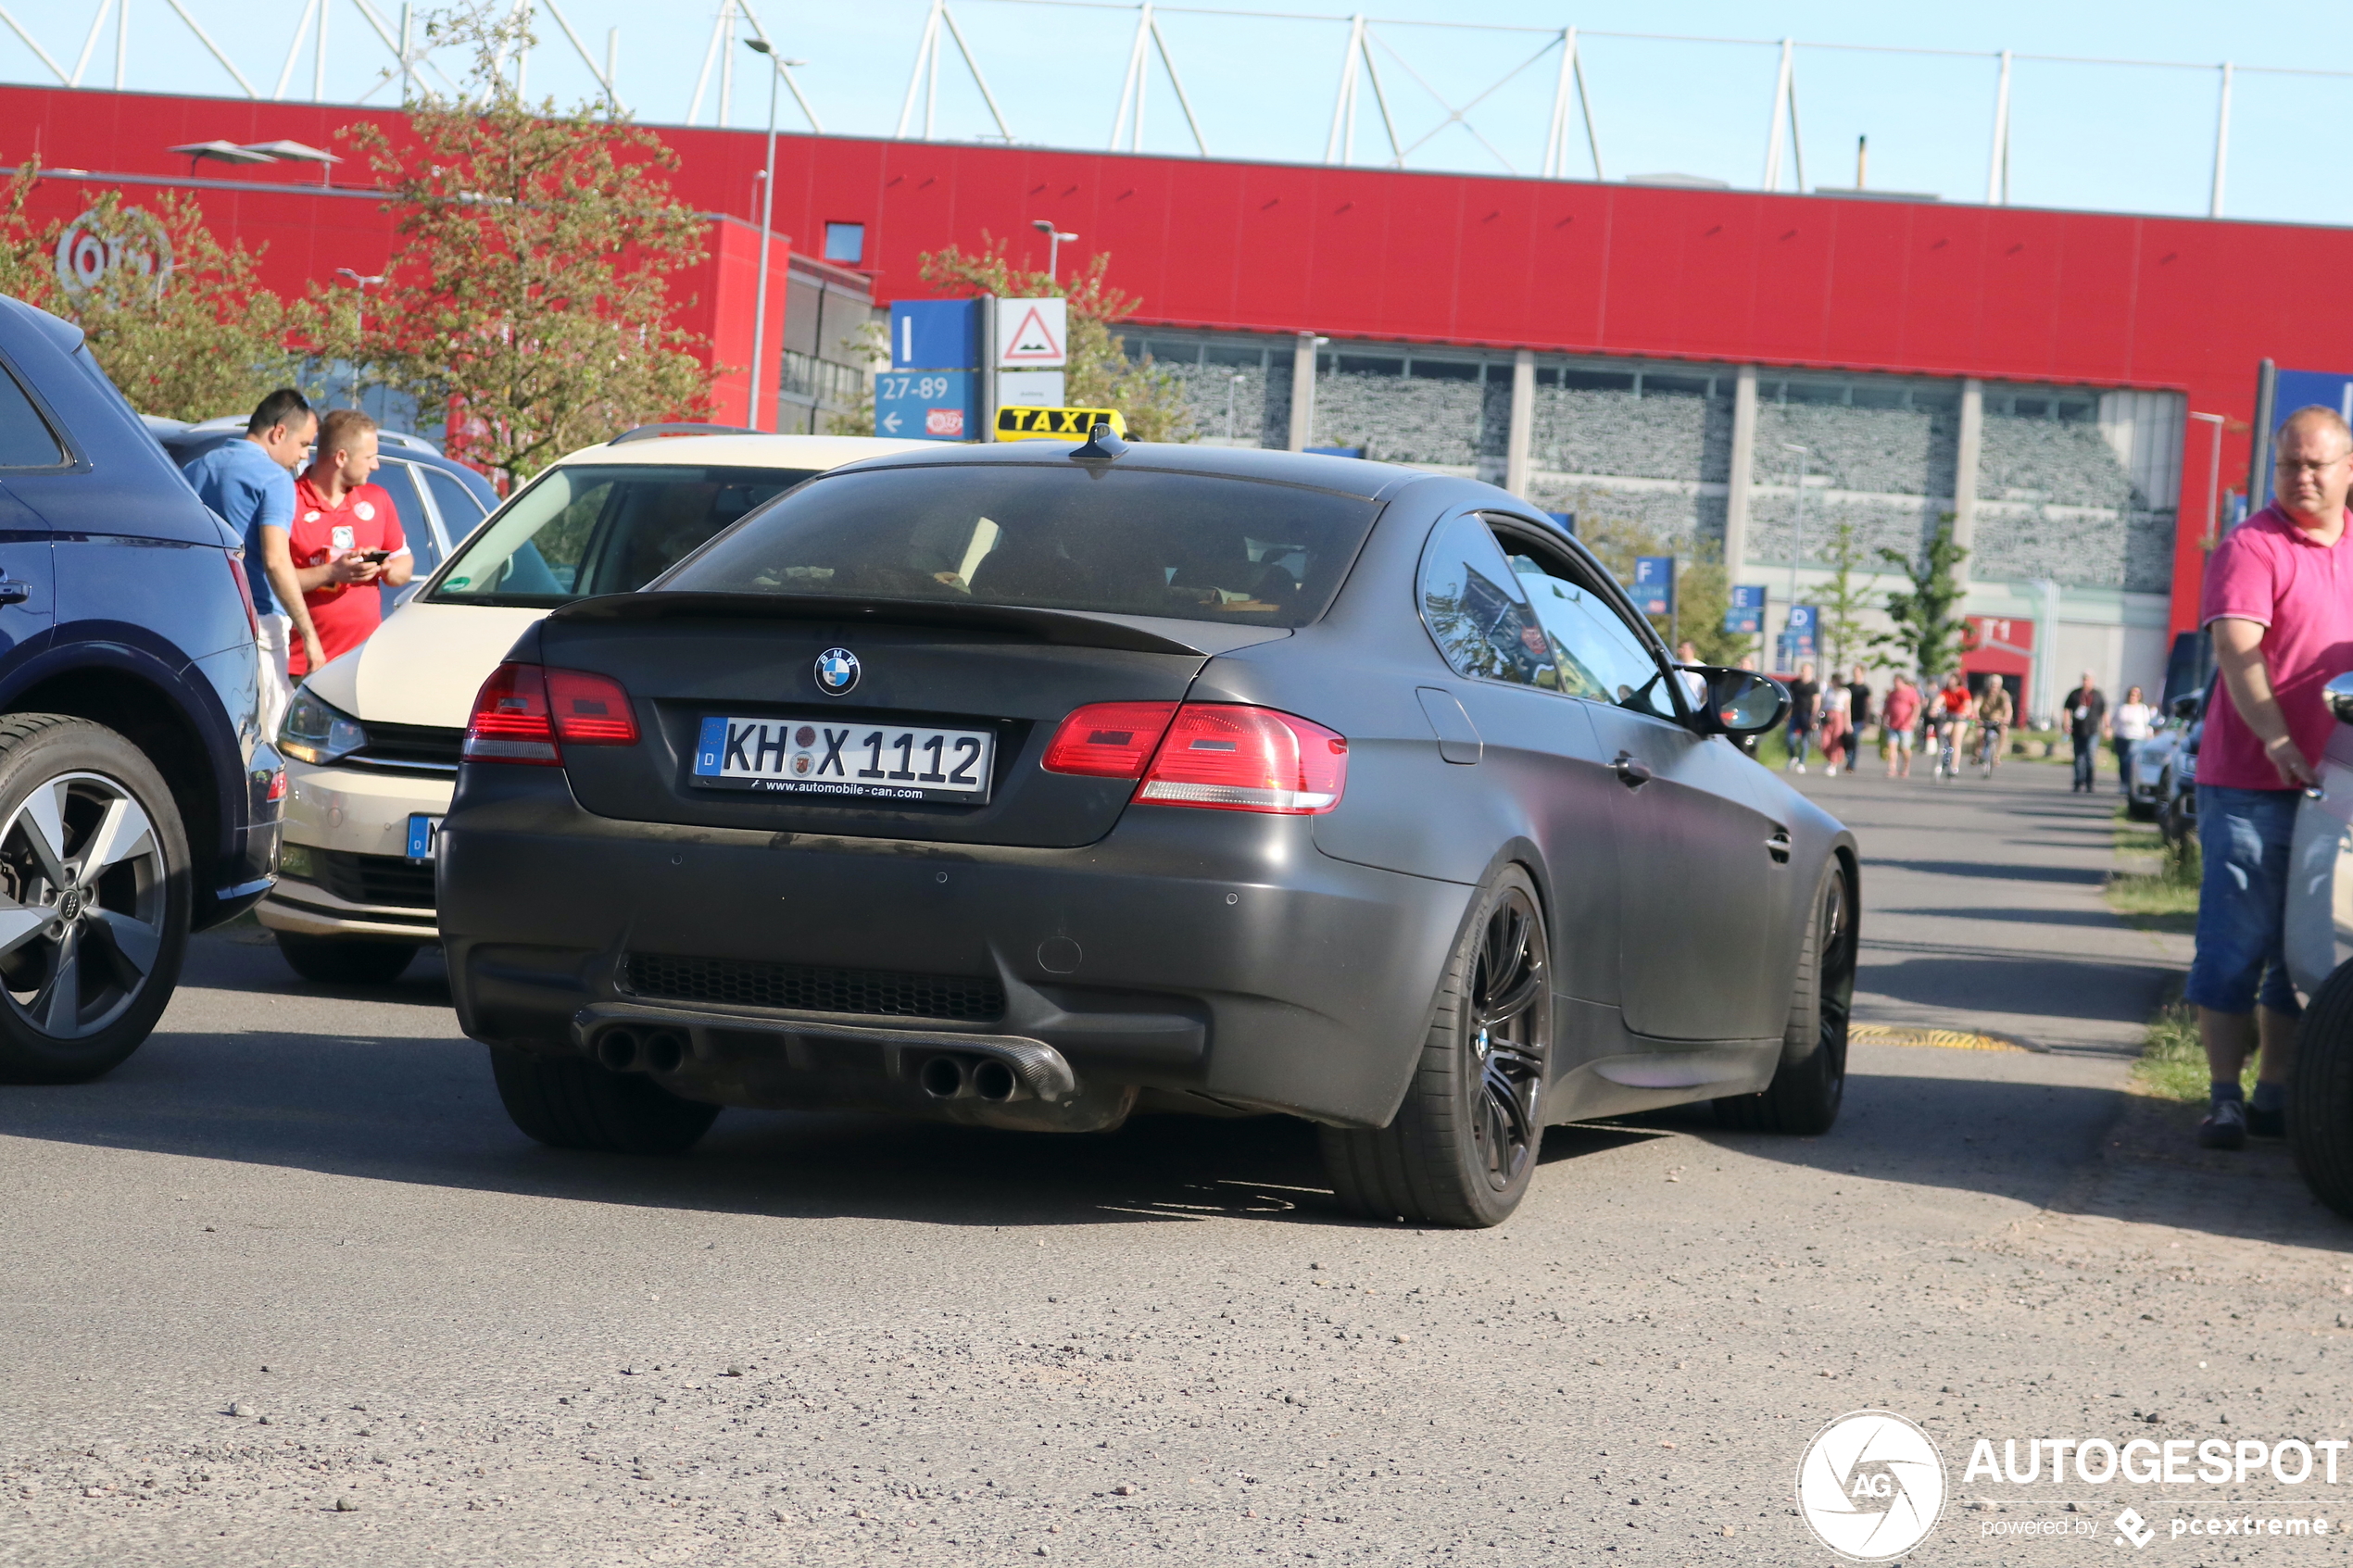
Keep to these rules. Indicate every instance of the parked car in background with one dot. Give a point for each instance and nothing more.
(139, 800)
(372, 740)
(1025, 787)
(2163, 774)
(440, 501)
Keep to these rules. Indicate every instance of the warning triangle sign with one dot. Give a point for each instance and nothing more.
(1032, 341)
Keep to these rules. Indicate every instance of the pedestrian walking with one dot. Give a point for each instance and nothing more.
(1837, 729)
(2131, 724)
(1897, 719)
(1995, 715)
(1859, 712)
(1805, 710)
(2279, 606)
(345, 539)
(249, 483)
(1747, 743)
(2086, 724)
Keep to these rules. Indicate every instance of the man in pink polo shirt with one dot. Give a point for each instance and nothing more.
(2278, 604)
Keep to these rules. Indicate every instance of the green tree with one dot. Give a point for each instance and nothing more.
(180, 321)
(1841, 601)
(1149, 398)
(1702, 587)
(1927, 614)
(533, 253)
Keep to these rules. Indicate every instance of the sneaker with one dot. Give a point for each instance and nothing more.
(2226, 1125)
(2261, 1123)
(1800, 767)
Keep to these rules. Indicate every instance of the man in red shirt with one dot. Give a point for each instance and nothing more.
(2279, 602)
(346, 538)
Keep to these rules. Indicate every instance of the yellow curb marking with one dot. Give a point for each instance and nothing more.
(1953, 1039)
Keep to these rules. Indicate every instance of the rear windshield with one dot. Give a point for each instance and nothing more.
(1122, 541)
(603, 529)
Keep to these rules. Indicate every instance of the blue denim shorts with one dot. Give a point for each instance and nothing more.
(2244, 836)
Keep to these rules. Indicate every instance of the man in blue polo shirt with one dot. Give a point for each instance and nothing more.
(250, 483)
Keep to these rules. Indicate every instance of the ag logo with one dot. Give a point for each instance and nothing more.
(836, 671)
(1872, 1486)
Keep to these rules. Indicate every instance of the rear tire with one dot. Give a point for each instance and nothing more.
(331, 960)
(2320, 1101)
(568, 1102)
(1805, 1095)
(1462, 1148)
(93, 898)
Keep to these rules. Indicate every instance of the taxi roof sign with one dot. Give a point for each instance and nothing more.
(1056, 424)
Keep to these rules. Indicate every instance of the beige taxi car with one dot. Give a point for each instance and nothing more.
(371, 738)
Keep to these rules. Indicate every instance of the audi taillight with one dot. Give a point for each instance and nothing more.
(523, 713)
(1230, 758)
(1108, 740)
(236, 559)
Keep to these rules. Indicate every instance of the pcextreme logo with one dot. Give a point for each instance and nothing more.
(1872, 1486)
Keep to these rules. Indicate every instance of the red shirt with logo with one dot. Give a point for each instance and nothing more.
(342, 613)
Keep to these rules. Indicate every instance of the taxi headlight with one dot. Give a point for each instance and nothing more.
(316, 732)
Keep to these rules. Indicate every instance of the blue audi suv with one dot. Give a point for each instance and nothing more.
(139, 798)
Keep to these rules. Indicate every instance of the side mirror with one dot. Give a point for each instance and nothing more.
(1740, 702)
(2185, 707)
(2338, 694)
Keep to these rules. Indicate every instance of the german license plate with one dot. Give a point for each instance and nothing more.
(424, 836)
(828, 757)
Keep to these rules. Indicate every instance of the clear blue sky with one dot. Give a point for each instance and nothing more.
(2127, 138)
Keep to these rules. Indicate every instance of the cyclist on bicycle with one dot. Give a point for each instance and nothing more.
(1993, 717)
(1949, 713)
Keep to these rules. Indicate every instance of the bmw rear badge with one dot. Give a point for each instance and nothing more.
(836, 671)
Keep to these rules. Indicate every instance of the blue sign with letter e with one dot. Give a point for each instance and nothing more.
(935, 334)
(1745, 617)
(927, 405)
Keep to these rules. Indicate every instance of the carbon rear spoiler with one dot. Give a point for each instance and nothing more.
(1132, 634)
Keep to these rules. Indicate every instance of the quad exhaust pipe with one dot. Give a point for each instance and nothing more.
(969, 1077)
(624, 1049)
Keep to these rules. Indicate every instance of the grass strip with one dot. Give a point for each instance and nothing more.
(2163, 900)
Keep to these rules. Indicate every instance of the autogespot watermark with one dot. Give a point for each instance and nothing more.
(1872, 1486)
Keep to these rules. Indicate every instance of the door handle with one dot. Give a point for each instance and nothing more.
(14, 590)
(1630, 772)
(1778, 846)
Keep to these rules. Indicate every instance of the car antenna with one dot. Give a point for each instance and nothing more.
(1103, 446)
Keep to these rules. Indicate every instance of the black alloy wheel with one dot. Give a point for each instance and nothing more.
(1463, 1146)
(1505, 1032)
(1807, 1090)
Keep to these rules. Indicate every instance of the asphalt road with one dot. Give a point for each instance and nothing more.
(840, 1341)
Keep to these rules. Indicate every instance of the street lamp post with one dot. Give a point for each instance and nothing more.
(1054, 238)
(767, 211)
(1796, 544)
(2214, 485)
(361, 282)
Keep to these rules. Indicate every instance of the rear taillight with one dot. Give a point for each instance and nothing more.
(590, 710)
(1230, 758)
(236, 559)
(1108, 740)
(524, 712)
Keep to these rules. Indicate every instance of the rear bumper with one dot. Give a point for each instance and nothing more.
(1205, 953)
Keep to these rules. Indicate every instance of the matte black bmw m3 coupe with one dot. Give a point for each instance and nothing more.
(1031, 786)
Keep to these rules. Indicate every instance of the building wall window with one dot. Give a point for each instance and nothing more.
(846, 243)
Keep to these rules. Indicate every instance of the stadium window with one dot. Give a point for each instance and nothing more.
(1367, 365)
(1657, 385)
(1597, 381)
(1443, 369)
(846, 243)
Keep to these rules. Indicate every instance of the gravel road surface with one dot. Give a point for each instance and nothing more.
(288, 1289)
